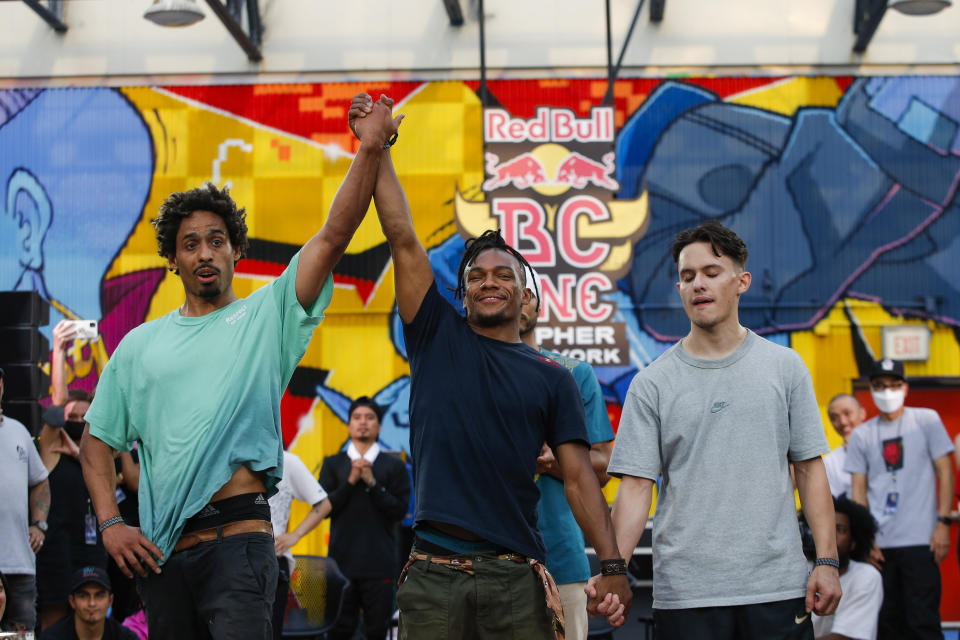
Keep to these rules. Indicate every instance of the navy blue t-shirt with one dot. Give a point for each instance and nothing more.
(480, 410)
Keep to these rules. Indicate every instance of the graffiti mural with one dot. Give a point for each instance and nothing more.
(845, 190)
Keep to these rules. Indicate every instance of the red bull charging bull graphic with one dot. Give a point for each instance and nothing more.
(550, 188)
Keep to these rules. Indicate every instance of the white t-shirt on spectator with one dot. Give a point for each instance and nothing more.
(299, 483)
(856, 616)
(838, 479)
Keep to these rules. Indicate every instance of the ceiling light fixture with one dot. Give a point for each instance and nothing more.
(174, 13)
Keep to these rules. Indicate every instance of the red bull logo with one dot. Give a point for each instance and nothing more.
(578, 171)
(528, 170)
(549, 187)
(522, 172)
(549, 125)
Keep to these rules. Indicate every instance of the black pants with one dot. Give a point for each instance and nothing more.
(219, 590)
(911, 595)
(783, 620)
(375, 597)
(280, 600)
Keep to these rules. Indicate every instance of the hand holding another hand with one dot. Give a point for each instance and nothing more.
(373, 120)
(609, 596)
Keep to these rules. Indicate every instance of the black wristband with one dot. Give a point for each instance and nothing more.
(947, 520)
(109, 523)
(613, 567)
(392, 141)
(827, 562)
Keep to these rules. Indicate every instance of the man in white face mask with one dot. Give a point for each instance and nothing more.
(896, 459)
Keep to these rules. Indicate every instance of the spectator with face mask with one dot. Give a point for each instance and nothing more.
(897, 459)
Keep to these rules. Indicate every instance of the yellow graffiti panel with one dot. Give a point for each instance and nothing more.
(786, 96)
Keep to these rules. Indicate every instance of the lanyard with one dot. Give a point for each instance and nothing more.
(893, 472)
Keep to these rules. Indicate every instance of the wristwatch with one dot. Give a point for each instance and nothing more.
(40, 524)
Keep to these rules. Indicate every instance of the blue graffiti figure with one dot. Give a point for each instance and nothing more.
(857, 201)
(395, 400)
(75, 171)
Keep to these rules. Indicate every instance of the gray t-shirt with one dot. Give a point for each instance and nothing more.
(20, 469)
(722, 433)
(924, 440)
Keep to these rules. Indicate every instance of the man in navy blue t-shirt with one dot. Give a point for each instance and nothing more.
(482, 403)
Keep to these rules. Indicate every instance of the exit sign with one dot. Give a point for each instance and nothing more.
(906, 342)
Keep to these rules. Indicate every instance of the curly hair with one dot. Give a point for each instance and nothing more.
(863, 528)
(723, 241)
(180, 204)
(490, 239)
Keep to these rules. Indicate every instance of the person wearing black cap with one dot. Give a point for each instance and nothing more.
(90, 598)
(896, 460)
(369, 492)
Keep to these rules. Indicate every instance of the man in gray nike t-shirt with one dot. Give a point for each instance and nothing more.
(720, 416)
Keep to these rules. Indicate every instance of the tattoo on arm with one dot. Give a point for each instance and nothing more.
(40, 501)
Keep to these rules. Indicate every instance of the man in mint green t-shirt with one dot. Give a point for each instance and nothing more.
(199, 389)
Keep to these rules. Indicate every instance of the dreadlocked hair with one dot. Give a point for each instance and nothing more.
(490, 239)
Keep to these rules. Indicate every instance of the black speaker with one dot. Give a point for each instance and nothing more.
(23, 307)
(28, 412)
(23, 344)
(24, 381)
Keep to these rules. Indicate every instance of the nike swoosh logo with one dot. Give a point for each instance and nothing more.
(799, 620)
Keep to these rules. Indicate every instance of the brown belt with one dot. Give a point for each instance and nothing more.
(194, 538)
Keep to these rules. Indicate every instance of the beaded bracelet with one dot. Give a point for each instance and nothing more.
(613, 567)
(109, 523)
(827, 562)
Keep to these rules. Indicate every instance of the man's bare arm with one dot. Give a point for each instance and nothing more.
(63, 333)
(591, 513)
(631, 508)
(599, 459)
(322, 252)
(40, 500)
(823, 587)
(316, 515)
(940, 540)
(128, 547)
(412, 274)
(39, 504)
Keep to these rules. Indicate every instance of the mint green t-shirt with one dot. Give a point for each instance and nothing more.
(201, 396)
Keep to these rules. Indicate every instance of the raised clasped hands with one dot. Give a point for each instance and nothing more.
(609, 596)
(371, 120)
(366, 470)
